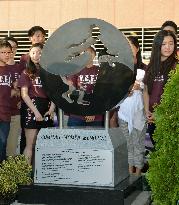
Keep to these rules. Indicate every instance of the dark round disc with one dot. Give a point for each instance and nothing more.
(64, 54)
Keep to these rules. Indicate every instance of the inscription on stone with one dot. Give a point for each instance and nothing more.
(75, 156)
(79, 166)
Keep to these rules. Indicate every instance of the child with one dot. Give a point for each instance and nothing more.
(15, 127)
(5, 96)
(85, 81)
(37, 110)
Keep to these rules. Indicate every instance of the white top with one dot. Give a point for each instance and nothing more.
(132, 108)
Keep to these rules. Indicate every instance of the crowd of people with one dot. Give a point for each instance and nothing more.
(25, 107)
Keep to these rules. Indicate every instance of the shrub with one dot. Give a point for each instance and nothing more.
(163, 174)
(13, 172)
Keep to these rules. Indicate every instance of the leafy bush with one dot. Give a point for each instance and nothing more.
(13, 172)
(163, 174)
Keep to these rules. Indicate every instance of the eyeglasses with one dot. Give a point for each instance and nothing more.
(5, 53)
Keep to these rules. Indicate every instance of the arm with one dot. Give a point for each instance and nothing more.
(149, 115)
(29, 103)
(51, 110)
(15, 92)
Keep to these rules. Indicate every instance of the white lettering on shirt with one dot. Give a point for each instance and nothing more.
(5, 80)
(88, 79)
(37, 82)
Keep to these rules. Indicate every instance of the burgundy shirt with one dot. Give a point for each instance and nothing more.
(86, 79)
(6, 79)
(34, 85)
(16, 71)
(157, 89)
(156, 92)
(23, 60)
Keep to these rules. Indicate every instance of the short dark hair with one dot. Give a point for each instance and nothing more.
(32, 31)
(4, 43)
(11, 38)
(40, 45)
(169, 23)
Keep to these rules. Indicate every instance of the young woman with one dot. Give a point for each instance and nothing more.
(138, 64)
(163, 60)
(131, 114)
(37, 110)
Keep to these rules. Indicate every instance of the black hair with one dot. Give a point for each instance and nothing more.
(139, 65)
(32, 31)
(156, 66)
(31, 68)
(11, 38)
(169, 23)
(4, 43)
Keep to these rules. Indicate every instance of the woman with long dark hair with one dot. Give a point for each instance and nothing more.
(163, 60)
(37, 110)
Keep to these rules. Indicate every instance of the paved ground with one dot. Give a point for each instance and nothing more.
(136, 198)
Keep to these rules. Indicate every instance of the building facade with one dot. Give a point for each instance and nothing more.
(144, 17)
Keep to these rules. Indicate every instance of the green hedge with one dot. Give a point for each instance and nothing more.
(163, 174)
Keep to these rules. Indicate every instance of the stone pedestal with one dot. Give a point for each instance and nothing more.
(79, 195)
(94, 157)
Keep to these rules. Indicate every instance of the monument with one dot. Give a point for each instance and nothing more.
(95, 157)
(84, 157)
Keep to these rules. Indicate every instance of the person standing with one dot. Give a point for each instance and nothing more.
(131, 114)
(37, 109)
(163, 60)
(15, 127)
(5, 96)
(85, 80)
(36, 34)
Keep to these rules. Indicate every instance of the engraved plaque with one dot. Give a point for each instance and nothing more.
(80, 157)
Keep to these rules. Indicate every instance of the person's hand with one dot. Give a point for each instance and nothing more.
(89, 118)
(136, 86)
(38, 116)
(19, 105)
(149, 116)
(50, 113)
(15, 85)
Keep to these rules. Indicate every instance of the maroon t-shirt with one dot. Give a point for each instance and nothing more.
(16, 71)
(6, 79)
(86, 79)
(156, 92)
(23, 60)
(34, 85)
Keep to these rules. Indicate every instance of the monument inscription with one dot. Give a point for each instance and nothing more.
(74, 156)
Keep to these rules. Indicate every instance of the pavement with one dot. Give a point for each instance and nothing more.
(136, 198)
